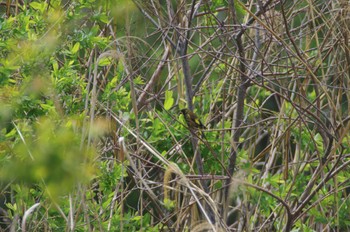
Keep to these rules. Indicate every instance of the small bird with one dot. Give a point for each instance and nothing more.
(192, 119)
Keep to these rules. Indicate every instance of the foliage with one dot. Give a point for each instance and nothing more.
(91, 134)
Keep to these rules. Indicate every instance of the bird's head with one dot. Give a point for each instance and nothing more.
(184, 111)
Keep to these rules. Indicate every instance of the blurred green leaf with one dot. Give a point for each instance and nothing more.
(75, 48)
(104, 61)
(169, 100)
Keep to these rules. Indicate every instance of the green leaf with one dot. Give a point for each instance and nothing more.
(138, 80)
(104, 18)
(55, 66)
(11, 134)
(75, 48)
(38, 6)
(169, 204)
(319, 141)
(104, 61)
(169, 100)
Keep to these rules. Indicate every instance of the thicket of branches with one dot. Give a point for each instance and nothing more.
(269, 79)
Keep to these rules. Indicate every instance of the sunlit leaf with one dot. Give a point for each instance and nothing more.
(75, 48)
(104, 61)
(169, 100)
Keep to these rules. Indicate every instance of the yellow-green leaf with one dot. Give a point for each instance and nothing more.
(75, 48)
(169, 100)
(39, 6)
(104, 61)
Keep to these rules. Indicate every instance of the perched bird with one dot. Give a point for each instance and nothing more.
(192, 120)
